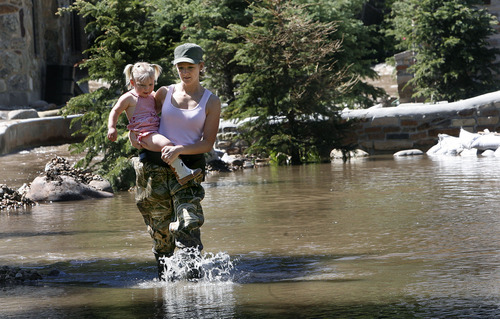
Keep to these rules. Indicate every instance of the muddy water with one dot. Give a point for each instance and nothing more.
(381, 237)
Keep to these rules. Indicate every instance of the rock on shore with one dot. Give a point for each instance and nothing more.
(59, 182)
(12, 199)
(62, 182)
(16, 275)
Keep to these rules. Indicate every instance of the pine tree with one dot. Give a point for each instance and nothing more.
(454, 59)
(205, 23)
(291, 81)
(120, 32)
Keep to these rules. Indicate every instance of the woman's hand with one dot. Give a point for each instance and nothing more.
(133, 140)
(170, 153)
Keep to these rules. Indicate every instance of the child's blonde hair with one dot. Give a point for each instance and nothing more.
(140, 72)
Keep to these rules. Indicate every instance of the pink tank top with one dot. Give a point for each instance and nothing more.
(144, 120)
(181, 126)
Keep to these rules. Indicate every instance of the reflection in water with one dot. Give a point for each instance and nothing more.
(379, 237)
(198, 300)
(194, 300)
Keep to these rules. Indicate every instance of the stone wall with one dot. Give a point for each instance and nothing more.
(378, 130)
(407, 126)
(33, 37)
(19, 67)
(493, 7)
(404, 60)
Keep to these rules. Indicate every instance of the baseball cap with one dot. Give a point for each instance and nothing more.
(188, 52)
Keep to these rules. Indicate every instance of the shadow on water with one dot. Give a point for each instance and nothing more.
(217, 268)
(212, 297)
(33, 234)
(268, 269)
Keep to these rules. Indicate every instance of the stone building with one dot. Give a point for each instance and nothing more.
(38, 51)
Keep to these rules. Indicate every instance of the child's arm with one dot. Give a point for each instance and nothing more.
(121, 105)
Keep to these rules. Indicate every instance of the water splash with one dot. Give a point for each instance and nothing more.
(192, 265)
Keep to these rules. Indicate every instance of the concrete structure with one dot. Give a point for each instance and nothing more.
(408, 126)
(18, 135)
(38, 50)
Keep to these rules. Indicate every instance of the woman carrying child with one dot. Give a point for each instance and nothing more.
(140, 107)
(190, 117)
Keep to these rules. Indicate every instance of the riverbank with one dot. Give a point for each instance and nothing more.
(384, 130)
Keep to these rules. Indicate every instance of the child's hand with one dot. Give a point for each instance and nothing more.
(112, 134)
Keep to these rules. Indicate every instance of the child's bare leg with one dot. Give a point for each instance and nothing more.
(155, 142)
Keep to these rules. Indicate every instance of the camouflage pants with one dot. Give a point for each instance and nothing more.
(160, 198)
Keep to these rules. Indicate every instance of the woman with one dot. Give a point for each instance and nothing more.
(190, 120)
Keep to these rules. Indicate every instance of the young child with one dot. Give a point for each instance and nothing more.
(139, 105)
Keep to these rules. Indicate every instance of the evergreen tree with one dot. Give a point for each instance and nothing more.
(205, 23)
(358, 45)
(121, 32)
(292, 80)
(305, 66)
(450, 38)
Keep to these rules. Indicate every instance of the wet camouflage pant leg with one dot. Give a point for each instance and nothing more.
(187, 202)
(159, 196)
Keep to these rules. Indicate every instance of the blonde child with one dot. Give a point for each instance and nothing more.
(139, 106)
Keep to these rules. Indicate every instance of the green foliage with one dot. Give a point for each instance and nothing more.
(278, 158)
(450, 37)
(121, 175)
(121, 32)
(94, 108)
(358, 43)
(205, 22)
(291, 81)
(281, 60)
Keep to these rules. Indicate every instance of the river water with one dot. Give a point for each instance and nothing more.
(380, 237)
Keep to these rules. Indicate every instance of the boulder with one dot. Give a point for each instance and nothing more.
(62, 182)
(65, 189)
(339, 154)
(411, 152)
(41, 105)
(101, 185)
